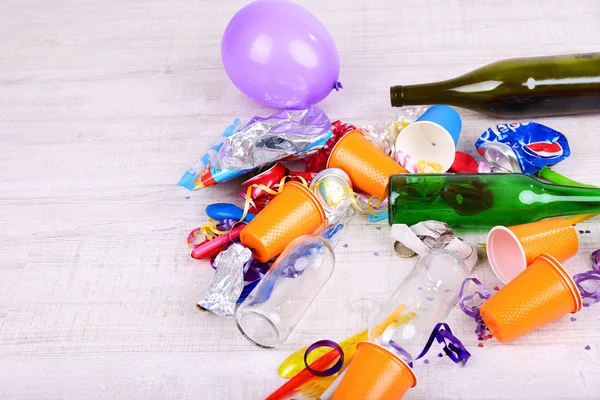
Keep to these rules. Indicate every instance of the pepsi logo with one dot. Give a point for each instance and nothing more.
(544, 149)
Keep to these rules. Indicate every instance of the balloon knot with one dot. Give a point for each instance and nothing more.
(338, 85)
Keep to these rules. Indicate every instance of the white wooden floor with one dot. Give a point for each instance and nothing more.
(105, 103)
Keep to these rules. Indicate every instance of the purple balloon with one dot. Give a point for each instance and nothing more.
(280, 55)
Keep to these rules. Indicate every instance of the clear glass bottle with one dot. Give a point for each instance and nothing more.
(425, 298)
(270, 313)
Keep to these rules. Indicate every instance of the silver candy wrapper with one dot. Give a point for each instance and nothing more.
(284, 135)
(428, 235)
(228, 282)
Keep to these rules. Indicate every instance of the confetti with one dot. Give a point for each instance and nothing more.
(587, 347)
(588, 232)
(580, 231)
(480, 345)
(573, 319)
(440, 355)
(345, 245)
(420, 288)
(376, 254)
(430, 298)
(425, 361)
(496, 288)
(378, 228)
(188, 197)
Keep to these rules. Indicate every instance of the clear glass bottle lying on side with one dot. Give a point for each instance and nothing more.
(401, 328)
(270, 313)
(426, 296)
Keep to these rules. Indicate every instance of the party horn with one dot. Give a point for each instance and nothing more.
(368, 166)
(214, 246)
(375, 374)
(539, 295)
(511, 249)
(294, 212)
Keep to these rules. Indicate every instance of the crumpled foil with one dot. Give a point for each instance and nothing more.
(228, 282)
(261, 141)
(428, 235)
(384, 134)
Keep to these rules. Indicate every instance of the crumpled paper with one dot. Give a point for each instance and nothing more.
(228, 281)
(428, 235)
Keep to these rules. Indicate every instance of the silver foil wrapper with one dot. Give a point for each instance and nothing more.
(287, 134)
(228, 282)
(428, 235)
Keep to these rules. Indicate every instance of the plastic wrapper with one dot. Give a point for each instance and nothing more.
(286, 135)
(522, 147)
(384, 134)
(228, 282)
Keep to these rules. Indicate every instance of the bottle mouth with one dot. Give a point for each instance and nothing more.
(396, 96)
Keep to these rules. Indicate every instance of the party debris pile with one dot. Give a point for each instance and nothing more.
(274, 253)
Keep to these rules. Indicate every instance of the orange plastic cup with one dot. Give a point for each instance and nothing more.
(375, 374)
(510, 250)
(368, 166)
(294, 212)
(539, 295)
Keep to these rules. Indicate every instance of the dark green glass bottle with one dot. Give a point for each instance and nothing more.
(484, 200)
(516, 88)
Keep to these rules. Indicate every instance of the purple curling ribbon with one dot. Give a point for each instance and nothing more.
(405, 354)
(590, 297)
(335, 367)
(453, 347)
(473, 311)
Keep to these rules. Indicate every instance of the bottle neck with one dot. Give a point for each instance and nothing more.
(561, 200)
(429, 93)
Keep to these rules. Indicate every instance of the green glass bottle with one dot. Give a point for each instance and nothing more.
(484, 200)
(516, 88)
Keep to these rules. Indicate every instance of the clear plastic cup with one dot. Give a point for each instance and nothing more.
(425, 298)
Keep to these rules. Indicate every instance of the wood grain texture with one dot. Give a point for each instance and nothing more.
(105, 103)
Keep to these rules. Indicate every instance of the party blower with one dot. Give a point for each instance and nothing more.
(484, 200)
(540, 294)
(381, 367)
